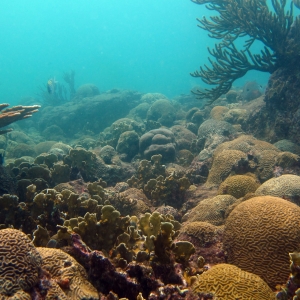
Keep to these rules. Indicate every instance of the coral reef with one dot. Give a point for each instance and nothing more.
(229, 282)
(275, 27)
(292, 287)
(207, 240)
(285, 186)
(238, 185)
(20, 264)
(15, 113)
(68, 273)
(269, 225)
(158, 141)
(211, 210)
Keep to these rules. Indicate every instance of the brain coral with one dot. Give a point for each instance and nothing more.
(285, 186)
(19, 264)
(228, 282)
(246, 144)
(211, 127)
(64, 268)
(238, 185)
(211, 210)
(259, 233)
(224, 164)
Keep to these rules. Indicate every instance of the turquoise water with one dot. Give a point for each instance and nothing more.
(144, 45)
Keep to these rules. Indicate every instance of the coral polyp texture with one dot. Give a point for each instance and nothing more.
(20, 264)
(68, 273)
(238, 185)
(285, 186)
(211, 210)
(259, 233)
(225, 163)
(228, 282)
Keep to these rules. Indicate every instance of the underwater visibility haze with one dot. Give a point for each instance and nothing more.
(149, 46)
(150, 150)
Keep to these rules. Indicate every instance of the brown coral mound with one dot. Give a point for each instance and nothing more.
(228, 282)
(69, 274)
(224, 164)
(218, 112)
(259, 156)
(211, 210)
(206, 239)
(19, 264)
(246, 144)
(260, 233)
(238, 185)
(286, 186)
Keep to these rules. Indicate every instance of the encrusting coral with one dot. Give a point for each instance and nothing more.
(211, 210)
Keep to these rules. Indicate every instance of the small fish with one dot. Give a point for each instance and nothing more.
(51, 85)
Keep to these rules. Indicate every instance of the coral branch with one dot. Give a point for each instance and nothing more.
(254, 20)
(15, 113)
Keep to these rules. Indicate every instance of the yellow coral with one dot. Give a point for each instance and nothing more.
(63, 268)
(238, 185)
(228, 282)
(211, 210)
(224, 163)
(259, 233)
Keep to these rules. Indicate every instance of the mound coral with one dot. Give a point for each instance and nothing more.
(158, 141)
(225, 163)
(238, 185)
(259, 233)
(285, 186)
(206, 239)
(68, 273)
(228, 282)
(211, 210)
(20, 264)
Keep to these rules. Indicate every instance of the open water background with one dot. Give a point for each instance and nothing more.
(144, 45)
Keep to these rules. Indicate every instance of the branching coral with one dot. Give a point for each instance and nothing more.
(13, 114)
(276, 28)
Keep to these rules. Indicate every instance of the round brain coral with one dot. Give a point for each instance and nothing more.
(228, 282)
(238, 186)
(260, 233)
(211, 210)
(285, 186)
(64, 268)
(20, 264)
